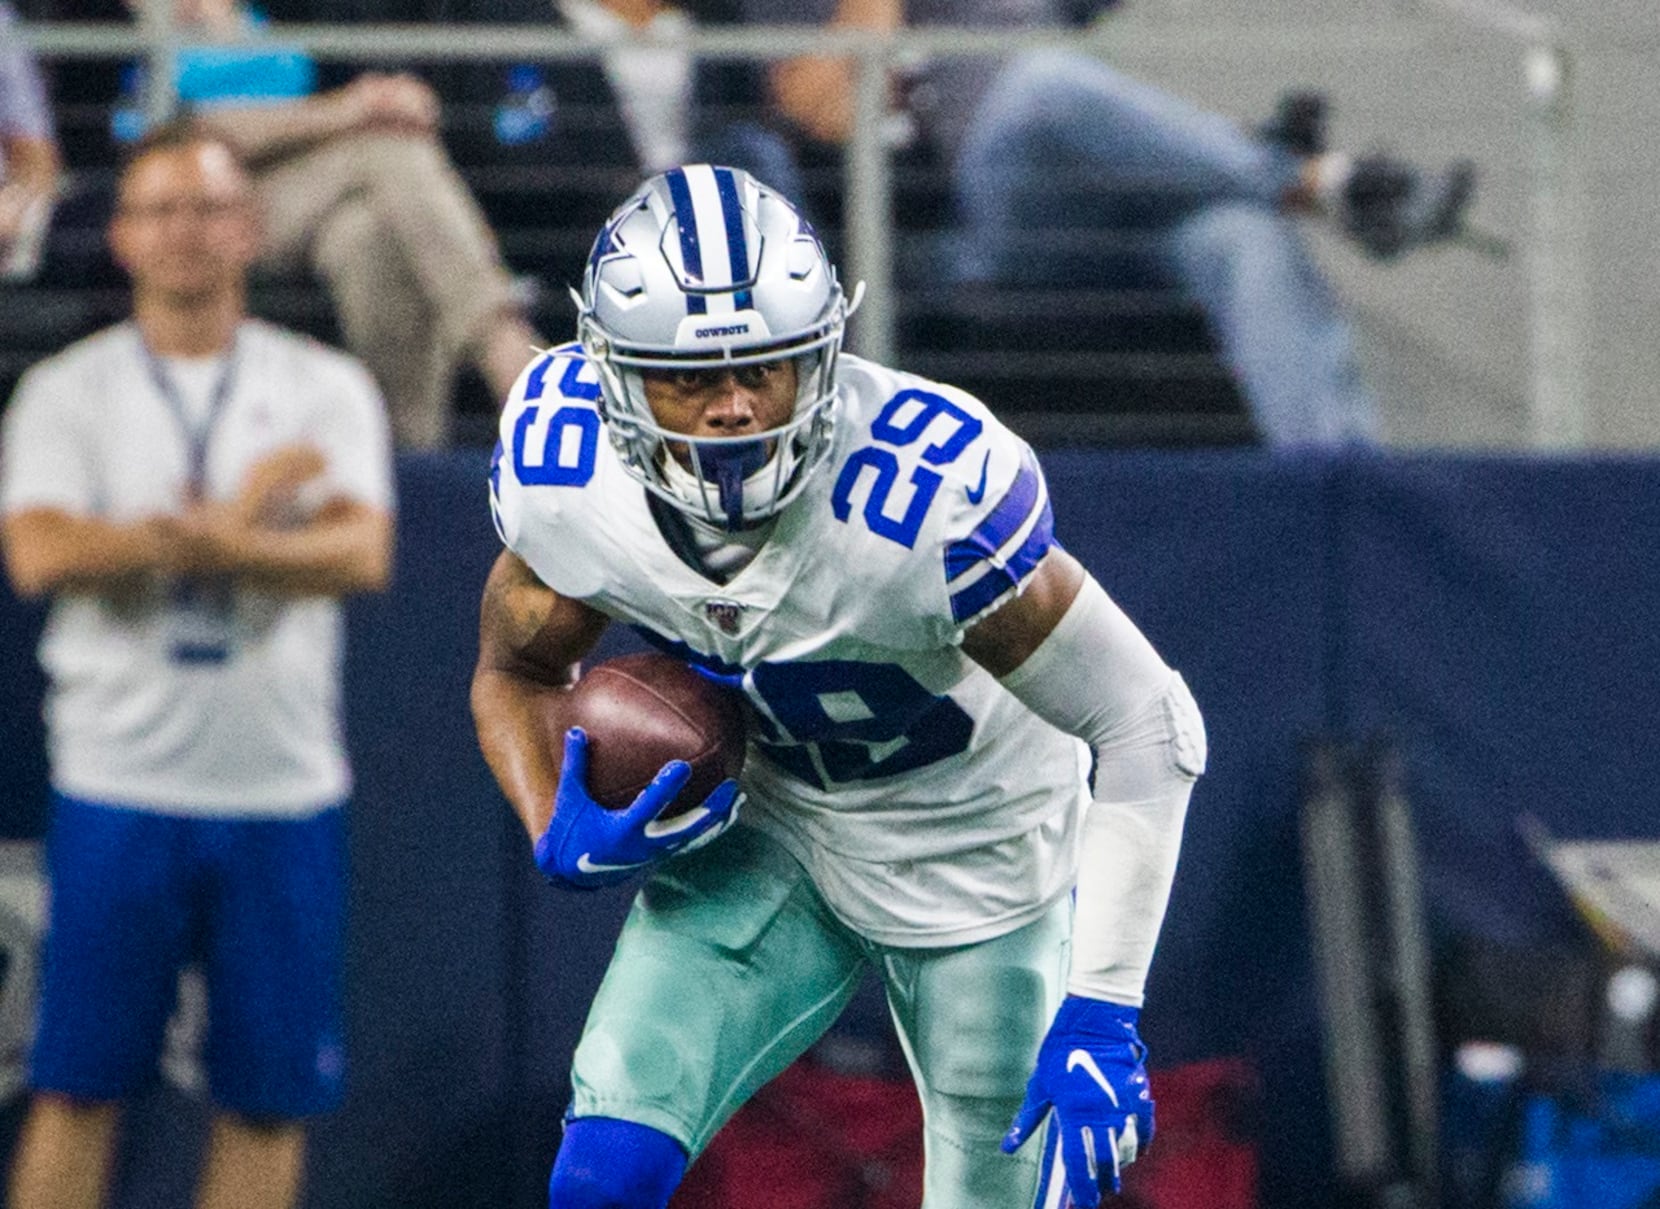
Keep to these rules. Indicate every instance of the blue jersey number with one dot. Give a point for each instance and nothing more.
(564, 454)
(906, 418)
(571, 383)
(845, 721)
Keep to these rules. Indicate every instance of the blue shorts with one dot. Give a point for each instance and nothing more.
(259, 903)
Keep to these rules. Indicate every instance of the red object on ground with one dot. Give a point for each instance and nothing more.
(812, 1139)
(815, 1139)
(1204, 1153)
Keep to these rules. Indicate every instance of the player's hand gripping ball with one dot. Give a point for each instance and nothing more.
(650, 763)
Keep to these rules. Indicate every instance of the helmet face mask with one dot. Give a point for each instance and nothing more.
(704, 268)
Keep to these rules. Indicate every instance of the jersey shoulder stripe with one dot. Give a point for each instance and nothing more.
(1005, 548)
(1004, 520)
(929, 467)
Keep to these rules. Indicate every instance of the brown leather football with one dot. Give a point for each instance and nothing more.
(640, 712)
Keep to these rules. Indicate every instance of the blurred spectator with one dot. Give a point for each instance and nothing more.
(194, 490)
(355, 186)
(29, 162)
(1040, 145)
(587, 130)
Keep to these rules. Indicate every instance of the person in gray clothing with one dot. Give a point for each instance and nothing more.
(30, 167)
(1045, 142)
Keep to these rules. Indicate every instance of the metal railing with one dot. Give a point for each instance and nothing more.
(1554, 245)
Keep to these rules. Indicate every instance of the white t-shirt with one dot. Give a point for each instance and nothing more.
(255, 731)
(652, 83)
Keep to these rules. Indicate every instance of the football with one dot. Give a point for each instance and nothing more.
(640, 712)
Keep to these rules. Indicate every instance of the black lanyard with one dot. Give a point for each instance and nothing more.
(197, 437)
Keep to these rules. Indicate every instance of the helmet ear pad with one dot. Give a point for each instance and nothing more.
(705, 267)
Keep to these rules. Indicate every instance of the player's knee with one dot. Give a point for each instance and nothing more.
(970, 1124)
(969, 1052)
(604, 1163)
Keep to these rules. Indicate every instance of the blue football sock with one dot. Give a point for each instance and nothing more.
(604, 1163)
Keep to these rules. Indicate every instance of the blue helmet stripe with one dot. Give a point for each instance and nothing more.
(691, 251)
(737, 247)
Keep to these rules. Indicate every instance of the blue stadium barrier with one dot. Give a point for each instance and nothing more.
(1498, 617)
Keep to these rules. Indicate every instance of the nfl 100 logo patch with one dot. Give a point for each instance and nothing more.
(724, 613)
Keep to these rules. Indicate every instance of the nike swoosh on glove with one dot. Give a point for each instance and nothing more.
(1091, 1070)
(587, 846)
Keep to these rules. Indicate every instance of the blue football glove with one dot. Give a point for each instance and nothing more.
(587, 846)
(1091, 1071)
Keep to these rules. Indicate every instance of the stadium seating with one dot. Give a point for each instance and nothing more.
(1126, 366)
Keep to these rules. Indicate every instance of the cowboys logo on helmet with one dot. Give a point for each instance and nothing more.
(707, 268)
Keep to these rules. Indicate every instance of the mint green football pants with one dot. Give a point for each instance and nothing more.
(730, 965)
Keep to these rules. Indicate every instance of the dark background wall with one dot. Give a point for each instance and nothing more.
(1498, 617)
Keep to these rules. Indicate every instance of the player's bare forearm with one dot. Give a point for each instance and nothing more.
(530, 642)
(48, 550)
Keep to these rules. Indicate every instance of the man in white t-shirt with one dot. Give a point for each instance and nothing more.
(195, 490)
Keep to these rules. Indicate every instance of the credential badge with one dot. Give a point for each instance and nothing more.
(724, 613)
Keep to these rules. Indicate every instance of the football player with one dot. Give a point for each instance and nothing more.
(868, 556)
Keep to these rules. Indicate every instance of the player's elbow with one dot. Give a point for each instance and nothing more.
(1158, 750)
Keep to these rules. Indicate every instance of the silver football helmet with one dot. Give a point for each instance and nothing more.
(707, 268)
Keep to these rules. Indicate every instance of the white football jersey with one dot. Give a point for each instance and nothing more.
(135, 715)
(929, 805)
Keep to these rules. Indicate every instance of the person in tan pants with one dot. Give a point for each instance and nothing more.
(356, 187)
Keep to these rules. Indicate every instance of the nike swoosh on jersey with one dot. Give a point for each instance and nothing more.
(1083, 1058)
(588, 866)
(979, 492)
